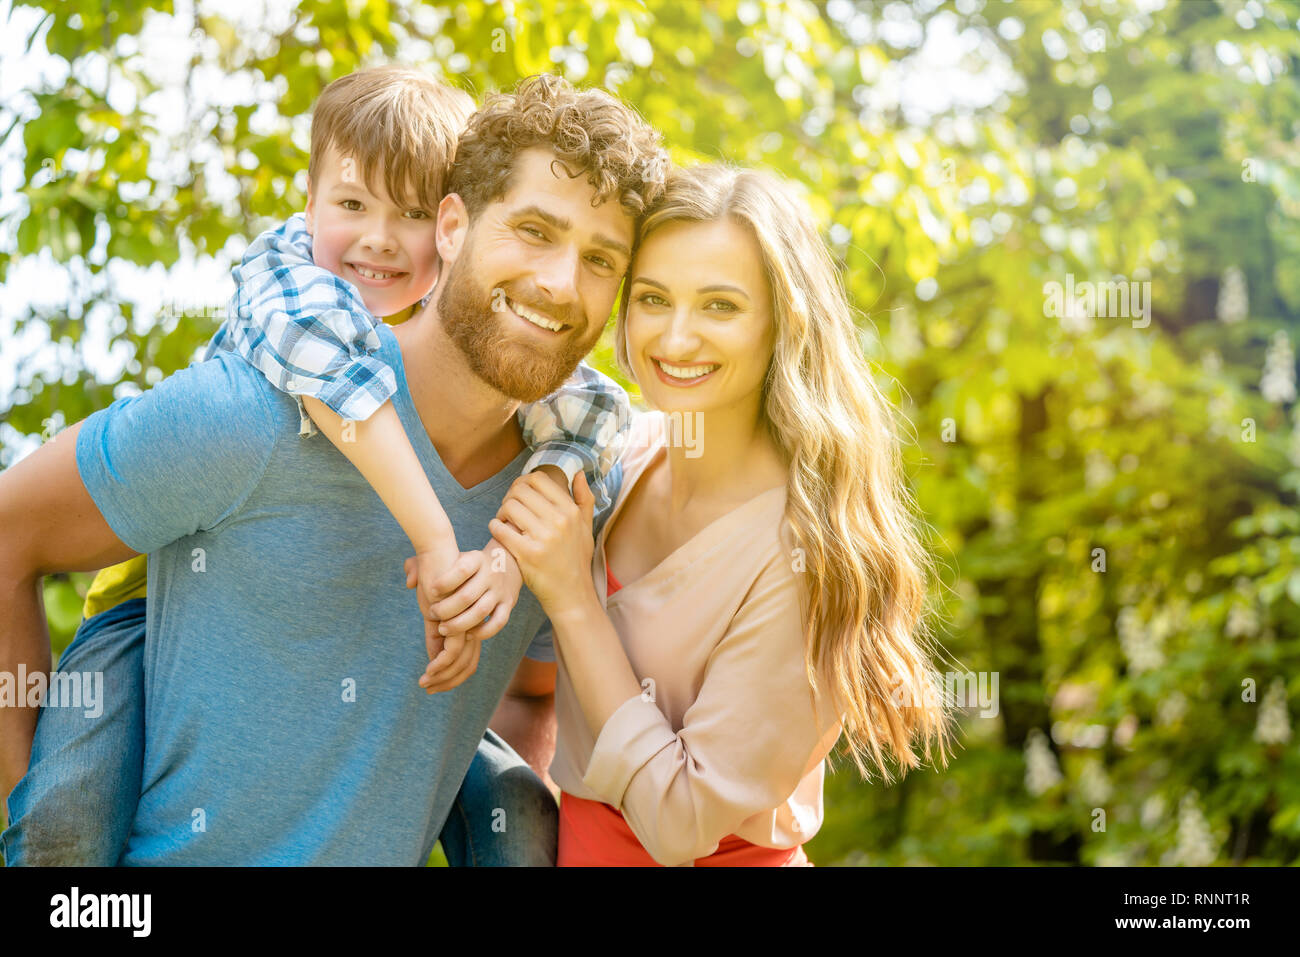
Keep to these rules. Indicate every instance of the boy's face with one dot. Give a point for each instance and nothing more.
(534, 277)
(388, 251)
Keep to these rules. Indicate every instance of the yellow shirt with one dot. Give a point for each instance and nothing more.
(127, 580)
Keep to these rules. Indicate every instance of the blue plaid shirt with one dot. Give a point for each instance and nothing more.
(309, 333)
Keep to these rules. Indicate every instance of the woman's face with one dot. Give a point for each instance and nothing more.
(699, 319)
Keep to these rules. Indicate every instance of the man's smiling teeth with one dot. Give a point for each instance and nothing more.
(685, 372)
(534, 318)
(374, 274)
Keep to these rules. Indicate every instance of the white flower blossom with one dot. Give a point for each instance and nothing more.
(1115, 857)
(1094, 784)
(1234, 303)
(1042, 773)
(1274, 723)
(1171, 709)
(1278, 382)
(1140, 642)
(1153, 809)
(1097, 470)
(1196, 845)
(1243, 621)
(1219, 412)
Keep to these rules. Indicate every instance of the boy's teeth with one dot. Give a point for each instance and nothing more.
(534, 318)
(686, 372)
(372, 274)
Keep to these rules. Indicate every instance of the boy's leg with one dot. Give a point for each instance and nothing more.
(503, 816)
(78, 799)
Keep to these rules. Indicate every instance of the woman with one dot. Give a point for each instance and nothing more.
(758, 588)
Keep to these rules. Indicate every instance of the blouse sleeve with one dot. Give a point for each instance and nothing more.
(745, 743)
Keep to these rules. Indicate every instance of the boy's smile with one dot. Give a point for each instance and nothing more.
(387, 250)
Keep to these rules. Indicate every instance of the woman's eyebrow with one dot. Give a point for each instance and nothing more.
(720, 287)
(723, 288)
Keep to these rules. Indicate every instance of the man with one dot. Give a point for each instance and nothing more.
(283, 719)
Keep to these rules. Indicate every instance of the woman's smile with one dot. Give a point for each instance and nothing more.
(699, 303)
(683, 376)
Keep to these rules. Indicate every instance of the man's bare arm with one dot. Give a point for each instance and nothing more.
(526, 716)
(48, 523)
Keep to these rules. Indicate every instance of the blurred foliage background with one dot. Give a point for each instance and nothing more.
(1112, 497)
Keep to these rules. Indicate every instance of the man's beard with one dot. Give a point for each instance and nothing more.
(511, 366)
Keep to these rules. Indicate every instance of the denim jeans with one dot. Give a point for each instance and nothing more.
(503, 815)
(76, 804)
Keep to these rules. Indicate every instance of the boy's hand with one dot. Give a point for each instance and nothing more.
(421, 571)
(425, 569)
(477, 593)
(455, 623)
(452, 658)
(451, 666)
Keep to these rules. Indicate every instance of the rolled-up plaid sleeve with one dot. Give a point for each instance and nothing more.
(581, 427)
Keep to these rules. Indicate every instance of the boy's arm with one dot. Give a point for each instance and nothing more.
(266, 263)
(382, 453)
(48, 523)
(308, 332)
(581, 427)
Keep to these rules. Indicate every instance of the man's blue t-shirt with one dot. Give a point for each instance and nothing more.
(284, 723)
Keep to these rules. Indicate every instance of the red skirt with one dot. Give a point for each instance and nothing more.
(593, 834)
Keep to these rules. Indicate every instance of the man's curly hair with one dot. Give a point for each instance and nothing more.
(588, 130)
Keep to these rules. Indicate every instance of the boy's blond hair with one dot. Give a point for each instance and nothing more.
(395, 121)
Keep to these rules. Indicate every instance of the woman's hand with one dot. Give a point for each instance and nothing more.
(549, 535)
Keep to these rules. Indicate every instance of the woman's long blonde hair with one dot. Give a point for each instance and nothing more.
(867, 639)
